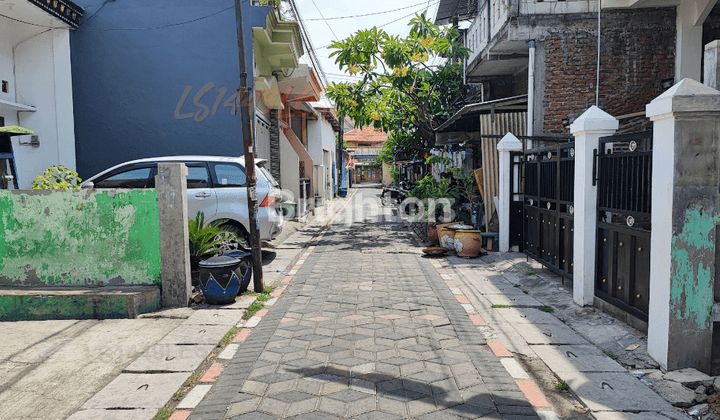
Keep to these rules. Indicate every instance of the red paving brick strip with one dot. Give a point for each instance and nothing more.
(532, 393)
(450, 283)
(261, 312)
(212, 373)
(242, 335)
(287, 279)
(276, 293)
(180, 415)
(441, 271)
(499, 349)
(462, 299)
(477, 320)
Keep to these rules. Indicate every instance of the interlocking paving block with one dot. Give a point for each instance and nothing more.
(448, 361)
(352, 362)
(398, 361)
(377, 415)
(429, 377)
(311, 337)
(422, 348)
(315, 415)
(137, 391)
(254, 416)
(291, 396)
(274, 378)
(284, 350)
(394, 335)
(294, 327)
(329, 349)
(348, 395)
(403, 395)
(353, 337)
(376, 326)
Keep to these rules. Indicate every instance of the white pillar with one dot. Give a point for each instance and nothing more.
(691, 15)
(587, 129)
(685, 214)
(711, 76)
(508, 144)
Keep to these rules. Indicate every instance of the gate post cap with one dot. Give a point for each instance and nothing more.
(509, 143)
(596, 120)
(686, 96)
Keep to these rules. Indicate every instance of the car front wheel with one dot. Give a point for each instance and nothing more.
(231, 244)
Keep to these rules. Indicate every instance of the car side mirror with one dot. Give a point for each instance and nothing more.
(88, 184)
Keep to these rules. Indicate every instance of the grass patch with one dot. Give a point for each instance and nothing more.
(267, 290)
(263, 298)
(229, 336)
(610, 354)
(530, 273)
(164, 413)
(547, 309)
(500, 306)
(252, 309)
(561, 385)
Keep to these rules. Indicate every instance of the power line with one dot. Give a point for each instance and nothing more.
(389, 23)
(309, 47)
(368, 14)
(325, 20)
(164, 26)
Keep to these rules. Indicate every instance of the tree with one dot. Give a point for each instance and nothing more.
(400, 92)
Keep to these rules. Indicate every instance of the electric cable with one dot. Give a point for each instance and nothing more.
(368, 14)
(325, 20)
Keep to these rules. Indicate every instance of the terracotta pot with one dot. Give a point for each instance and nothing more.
(432, 234)
(468, 243)
(447, 238)
(439, 226)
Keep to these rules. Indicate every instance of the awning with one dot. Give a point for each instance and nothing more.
(466, 119)
(15, 130)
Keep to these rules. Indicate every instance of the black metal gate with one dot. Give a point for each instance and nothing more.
(548, 187)
(623, 172)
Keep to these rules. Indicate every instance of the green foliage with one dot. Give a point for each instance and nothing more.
(229, 336)
(400, 91)
(610, 354)
(561, 385)
(547, 309)
(252, 309)
(500, 306)
(207, 239)
(57, 178)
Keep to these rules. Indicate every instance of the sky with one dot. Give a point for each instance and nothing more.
(321, 35)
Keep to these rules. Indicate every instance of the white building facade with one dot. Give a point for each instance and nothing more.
(36, 83)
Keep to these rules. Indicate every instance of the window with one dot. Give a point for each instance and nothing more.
(228, 175)
(133, 178)
(197, 177)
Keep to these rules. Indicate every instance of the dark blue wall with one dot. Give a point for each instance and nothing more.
(129, 81)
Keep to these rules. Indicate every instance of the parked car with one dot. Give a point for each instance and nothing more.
(216, 185)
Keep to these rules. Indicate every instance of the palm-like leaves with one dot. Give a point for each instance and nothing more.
(207, 239)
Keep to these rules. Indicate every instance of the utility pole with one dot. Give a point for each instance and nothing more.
(245, 100)
(339, 155)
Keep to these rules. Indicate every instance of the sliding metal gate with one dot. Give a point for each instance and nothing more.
(549, 182)
(623, 172)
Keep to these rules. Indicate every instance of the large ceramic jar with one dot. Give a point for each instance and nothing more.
(222, 278)
(447, 238)
(468, 243)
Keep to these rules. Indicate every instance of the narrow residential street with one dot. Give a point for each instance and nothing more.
(369, 329)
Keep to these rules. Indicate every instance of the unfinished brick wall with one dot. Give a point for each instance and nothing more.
(637, 56)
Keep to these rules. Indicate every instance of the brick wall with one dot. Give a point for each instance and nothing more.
(637, 56)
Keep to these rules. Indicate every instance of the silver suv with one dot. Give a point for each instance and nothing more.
(216, 186)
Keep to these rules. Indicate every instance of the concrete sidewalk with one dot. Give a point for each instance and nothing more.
(51, 369)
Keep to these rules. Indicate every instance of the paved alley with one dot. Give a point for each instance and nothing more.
(368, 330)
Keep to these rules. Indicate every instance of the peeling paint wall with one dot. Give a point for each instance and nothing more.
(79, 238)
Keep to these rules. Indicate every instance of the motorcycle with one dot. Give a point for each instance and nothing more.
(394, 195)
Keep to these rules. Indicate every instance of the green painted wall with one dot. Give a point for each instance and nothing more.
(79, 238)
(693, 257)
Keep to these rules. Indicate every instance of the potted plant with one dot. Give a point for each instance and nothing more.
(205, 240)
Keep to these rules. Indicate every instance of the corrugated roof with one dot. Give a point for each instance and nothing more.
(463, 9)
